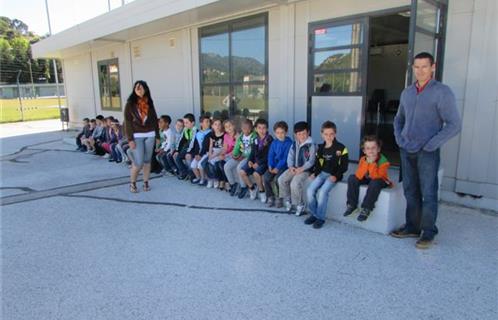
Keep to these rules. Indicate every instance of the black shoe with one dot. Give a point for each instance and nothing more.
(310, 220)
(425, 241)
(349, 210)
(318, 223)
(364, 213)
(111, 160)
(404, 233)
(233, 189)
(182, 176)
(243, 192)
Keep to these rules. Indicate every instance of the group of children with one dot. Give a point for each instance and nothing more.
(104, 137)
(273, 168)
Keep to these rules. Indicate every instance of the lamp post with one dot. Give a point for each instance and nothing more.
(54, 64)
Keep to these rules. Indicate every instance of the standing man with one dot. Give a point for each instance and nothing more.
(427, 118)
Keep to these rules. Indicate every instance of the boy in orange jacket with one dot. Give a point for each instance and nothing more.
(372, 170)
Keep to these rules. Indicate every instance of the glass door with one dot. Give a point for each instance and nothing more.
(337, 69)
(427, 27)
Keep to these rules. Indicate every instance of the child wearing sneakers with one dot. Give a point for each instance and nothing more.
(372, 171)
(331, 163)
(214, 154)
(182, 154)
(240, 153)
(229, 140)
(300, 162)
(257, 163)
(277, 161)
(199, 151)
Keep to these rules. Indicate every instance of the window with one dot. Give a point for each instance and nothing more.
(336, 59)
(110, 93)
(233, 68)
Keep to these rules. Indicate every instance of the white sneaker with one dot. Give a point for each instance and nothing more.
(262, 197)
(216, 184)
(288, 206)
(299, 210)
(253, 194)
(210, 184)
(106, 156)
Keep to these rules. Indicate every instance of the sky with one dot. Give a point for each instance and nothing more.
(63, 13)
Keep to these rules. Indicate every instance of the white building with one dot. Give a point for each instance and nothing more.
(342, 60)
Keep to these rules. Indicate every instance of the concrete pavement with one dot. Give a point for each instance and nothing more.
(77, 245)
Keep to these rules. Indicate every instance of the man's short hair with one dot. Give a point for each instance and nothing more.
(425, 55)
(282, 125)
(329, 125)
(179, 120)
(86, 119)
(93, 121)
(261, 121)
(301, 126)
(100, 117)
(204, 117)
(247, 122)
(190, 117)
(371, 138)
(166, 118)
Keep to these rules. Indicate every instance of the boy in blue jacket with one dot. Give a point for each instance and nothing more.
(277, 161)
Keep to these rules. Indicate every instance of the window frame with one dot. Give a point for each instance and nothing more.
(107, 63)
(231, 83)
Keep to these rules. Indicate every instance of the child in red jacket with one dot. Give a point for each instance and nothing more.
(372, 170)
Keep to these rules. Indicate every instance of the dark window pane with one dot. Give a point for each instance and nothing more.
(251, 101)
(114, 83)
(214, 58)
(110, 92)
(337, 59)
(337, 83)
(216, 100)
(345, 35)
(105, 96)
(249, 50)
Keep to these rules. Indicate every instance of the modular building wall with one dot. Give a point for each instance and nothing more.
(169, 62)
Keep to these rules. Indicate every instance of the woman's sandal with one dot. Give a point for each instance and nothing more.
(133, 187)
(146, 186)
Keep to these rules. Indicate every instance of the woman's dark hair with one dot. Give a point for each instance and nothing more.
(133, 98)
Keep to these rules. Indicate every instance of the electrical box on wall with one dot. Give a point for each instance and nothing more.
(172, 42)
(136, 52)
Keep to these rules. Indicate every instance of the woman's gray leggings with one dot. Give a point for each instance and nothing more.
(143, 151)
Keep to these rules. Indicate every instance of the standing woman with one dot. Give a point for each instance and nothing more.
(142, 132)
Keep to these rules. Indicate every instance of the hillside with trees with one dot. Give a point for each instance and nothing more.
(15, 54)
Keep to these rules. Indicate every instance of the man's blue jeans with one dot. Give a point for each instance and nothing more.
(420, 185)
(317, 195)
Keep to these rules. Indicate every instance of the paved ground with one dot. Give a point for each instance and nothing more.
(77, 245)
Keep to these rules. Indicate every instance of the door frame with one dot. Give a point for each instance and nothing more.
(440, 36)
(365, 19)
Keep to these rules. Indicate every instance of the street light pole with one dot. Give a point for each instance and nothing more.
(19, 94)
(54, 64)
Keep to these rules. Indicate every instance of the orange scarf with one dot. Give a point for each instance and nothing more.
(143, 108)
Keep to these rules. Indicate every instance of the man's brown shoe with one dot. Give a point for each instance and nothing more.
(425, 242)
(404, 233)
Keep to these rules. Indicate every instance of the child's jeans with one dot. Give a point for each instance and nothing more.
(182, 164)
(291, 186)
(317, 195)
(373, 191)
(270, 180)
(232, 168)
(115, 153)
